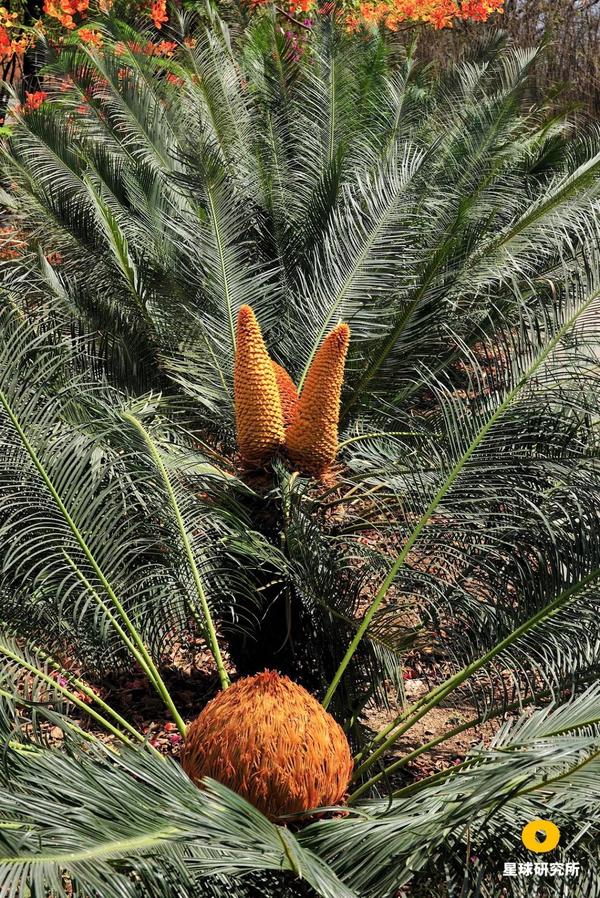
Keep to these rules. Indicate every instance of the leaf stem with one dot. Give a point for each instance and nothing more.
(406, 759)
(113, 620)
(436, 695)
(208, 622)
(480, 720)
(13, 656)
(561, 776)
(431, 780)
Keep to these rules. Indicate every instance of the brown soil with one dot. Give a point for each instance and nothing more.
(437, 722)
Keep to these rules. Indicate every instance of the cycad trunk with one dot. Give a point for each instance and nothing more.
(279, 628)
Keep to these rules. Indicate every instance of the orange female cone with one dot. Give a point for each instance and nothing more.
(258, 415)
(312, 438)
(270, 740)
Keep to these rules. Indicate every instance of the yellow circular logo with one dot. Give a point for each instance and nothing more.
(541, 836)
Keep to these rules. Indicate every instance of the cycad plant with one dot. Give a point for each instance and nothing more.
(298, 362)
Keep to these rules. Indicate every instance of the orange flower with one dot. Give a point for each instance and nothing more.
(34, 100)
(12, 44)
(162, 48)
(438, 13)
(270, 740)
(65, 10)
(11, 246)
(302, 6)
(259, 418)
(287, 393)
(158, 13)
(394, 13)
(91, 37)
(312, 438)
(480, 10)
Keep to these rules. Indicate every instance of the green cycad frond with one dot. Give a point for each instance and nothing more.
(38, 692)
(138, 819)
(143, 811)
(59, 503)
(355, 273)
(549, 768)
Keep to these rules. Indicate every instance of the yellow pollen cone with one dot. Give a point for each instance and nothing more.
(258, 415)
(288, 394)
(312, 438)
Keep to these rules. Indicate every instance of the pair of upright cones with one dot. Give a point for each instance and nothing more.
(271, 417)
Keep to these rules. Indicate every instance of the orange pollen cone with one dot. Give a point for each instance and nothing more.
(288, 393)
(270, 740)
(258, 415)
(312, 439)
